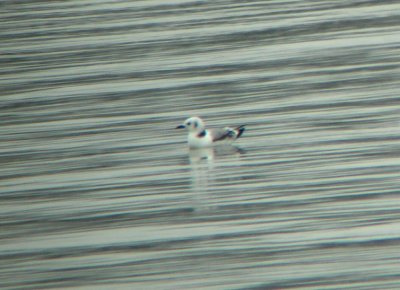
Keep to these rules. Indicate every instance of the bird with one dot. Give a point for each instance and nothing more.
(200, 137)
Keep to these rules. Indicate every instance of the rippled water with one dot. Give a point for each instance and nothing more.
(98, 191)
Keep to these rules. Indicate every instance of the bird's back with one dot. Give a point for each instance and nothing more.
(226, 133)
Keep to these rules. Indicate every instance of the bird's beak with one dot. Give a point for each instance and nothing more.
(180, 127)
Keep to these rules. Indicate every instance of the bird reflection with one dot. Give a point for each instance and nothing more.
(197, 156)
(204, 164)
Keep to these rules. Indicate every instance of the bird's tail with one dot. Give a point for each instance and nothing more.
(239, 131)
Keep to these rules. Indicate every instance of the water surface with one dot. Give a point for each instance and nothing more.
(99, 191)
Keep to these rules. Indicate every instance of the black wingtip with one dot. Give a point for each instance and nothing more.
(240, 130)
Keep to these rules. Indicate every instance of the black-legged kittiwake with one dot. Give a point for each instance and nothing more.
(200, 137)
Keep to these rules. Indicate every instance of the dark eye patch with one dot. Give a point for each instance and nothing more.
(189, 123)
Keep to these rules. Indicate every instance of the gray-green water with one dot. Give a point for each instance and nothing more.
(98, 191)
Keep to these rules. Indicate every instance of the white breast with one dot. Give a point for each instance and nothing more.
(199, 142)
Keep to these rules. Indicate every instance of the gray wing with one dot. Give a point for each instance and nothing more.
(220, 133)
(227, 133)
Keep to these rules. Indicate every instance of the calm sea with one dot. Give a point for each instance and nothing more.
(99, 191)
